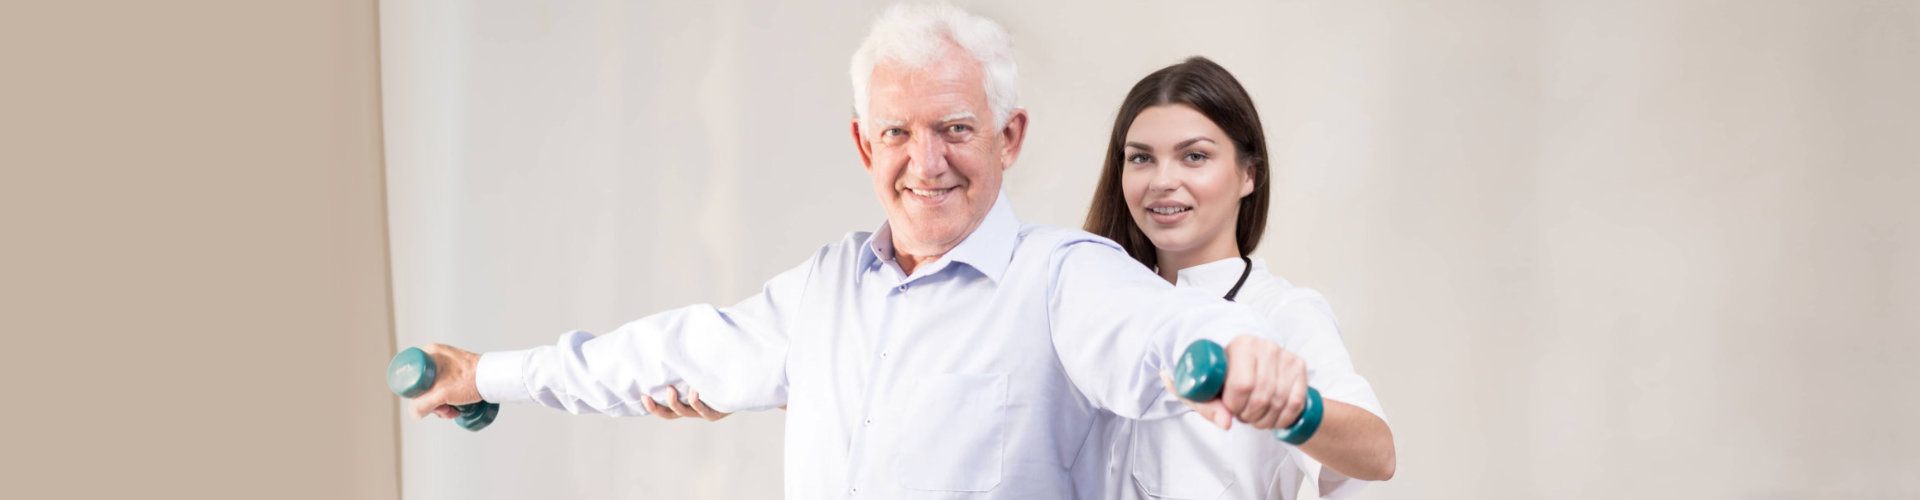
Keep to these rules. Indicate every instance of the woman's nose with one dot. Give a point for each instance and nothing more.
(1165, 178)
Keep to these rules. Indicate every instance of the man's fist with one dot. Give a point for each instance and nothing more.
(453, 383)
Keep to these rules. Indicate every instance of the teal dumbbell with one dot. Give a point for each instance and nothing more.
(411, 374)
(1203, 370)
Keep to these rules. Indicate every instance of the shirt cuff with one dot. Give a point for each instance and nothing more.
(501, 377)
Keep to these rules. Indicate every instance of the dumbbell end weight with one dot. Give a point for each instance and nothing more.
(1202, 371)
(477, 416)
(411, 373)
(1308, 421)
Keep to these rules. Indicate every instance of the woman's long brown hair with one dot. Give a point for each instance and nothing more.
(1206, 87)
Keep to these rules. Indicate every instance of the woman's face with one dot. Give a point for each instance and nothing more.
(1182, 180)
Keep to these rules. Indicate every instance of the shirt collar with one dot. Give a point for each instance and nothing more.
(1219, 275)
(988, 249)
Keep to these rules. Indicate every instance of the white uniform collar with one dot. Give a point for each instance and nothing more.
(1220, 274)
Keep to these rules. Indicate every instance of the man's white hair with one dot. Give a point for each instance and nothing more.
(916, 34)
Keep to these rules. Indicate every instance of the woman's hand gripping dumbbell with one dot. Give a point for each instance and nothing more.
(1273, 394)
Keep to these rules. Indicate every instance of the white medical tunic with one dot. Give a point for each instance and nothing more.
(982, 375)
(1190, 458)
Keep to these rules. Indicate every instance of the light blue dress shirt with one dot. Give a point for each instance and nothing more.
(985, 374)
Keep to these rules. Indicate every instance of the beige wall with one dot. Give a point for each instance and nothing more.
(194, 271)
(1582, 249)
(1657, 249)
(1616, 249)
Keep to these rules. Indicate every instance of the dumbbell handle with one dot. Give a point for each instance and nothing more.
(1202, 371)
(411, 374)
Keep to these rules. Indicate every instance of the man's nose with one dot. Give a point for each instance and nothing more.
(928, 160)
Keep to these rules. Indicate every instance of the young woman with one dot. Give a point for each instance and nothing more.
(1185, 190)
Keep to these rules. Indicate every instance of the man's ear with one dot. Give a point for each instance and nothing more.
(1012, 136)
(866, 148)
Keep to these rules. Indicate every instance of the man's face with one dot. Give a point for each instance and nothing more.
(930, 145)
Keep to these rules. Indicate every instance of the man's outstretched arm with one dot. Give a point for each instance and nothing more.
(735, 355)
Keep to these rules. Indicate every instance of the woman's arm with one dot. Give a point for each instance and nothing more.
(1353, 439)
(1354, 442)
(1350, 439)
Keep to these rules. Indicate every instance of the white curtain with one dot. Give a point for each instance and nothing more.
(1614, 249)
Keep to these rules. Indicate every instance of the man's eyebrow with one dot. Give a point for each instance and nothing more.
(963, 115)
(890, 123)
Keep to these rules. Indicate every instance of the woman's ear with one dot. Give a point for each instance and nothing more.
(1246, 180)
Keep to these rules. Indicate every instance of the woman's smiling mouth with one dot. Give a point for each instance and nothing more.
(1167, 212)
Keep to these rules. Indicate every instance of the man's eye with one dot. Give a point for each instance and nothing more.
(958, 129)
(892, 132)
(1139, 159)
(1196, 157)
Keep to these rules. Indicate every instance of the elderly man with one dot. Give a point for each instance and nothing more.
(954, 351)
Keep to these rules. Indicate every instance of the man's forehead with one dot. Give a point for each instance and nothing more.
(897, 119)
(948, 89)
(936, 102)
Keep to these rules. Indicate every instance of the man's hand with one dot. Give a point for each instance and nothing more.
(453, 382)
(1266, 386)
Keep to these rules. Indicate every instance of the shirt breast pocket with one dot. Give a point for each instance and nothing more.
(956, 433)
(1182, 458)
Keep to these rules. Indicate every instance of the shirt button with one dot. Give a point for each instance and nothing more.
(855, 490)
(903, 288)
(869, 421)
(883, 354)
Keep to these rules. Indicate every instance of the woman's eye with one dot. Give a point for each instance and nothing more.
(1196, 157)
(1139, 159)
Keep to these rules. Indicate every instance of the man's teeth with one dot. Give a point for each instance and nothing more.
(929, 192)
(1169, 210)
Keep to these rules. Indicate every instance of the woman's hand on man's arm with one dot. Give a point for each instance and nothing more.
(674, 409)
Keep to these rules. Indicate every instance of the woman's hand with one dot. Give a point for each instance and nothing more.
(675, 409)
(1272, 393)
(1266, 386)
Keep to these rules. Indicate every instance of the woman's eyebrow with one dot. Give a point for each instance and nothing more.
(1181, 145)
(1190, 142)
